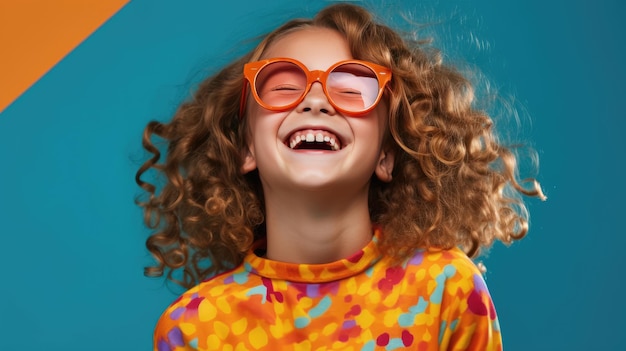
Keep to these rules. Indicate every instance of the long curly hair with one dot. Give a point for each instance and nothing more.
(453, 183)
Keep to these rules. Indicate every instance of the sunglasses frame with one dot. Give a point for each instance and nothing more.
(252, 69)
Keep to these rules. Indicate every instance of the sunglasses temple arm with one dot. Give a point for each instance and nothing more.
(242, 103)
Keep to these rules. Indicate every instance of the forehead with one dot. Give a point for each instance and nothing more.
(317, 48)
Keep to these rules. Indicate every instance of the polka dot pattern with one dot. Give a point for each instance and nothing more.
(435, 300)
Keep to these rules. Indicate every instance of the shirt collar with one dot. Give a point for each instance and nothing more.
(315, 273)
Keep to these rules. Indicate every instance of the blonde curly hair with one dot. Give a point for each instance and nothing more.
(453, 183)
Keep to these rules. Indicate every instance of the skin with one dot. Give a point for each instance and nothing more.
(316, 201)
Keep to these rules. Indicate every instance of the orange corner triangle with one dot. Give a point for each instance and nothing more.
(36, 34)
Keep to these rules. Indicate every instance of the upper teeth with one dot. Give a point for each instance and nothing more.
(311, 136)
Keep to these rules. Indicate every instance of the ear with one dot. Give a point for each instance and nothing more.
(249, 162)
(384, 167)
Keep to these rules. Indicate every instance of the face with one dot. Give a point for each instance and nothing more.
(313, 146)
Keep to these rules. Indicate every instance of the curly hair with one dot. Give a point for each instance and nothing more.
(453, 183)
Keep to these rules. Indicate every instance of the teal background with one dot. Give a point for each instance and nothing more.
(71, 248)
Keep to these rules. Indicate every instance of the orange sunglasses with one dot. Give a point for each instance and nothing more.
(353, 87)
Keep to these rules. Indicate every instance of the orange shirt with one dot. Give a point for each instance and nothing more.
(435, 300)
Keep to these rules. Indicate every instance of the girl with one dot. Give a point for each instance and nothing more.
(328, 189)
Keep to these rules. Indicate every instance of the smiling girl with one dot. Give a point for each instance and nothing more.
(327, 191)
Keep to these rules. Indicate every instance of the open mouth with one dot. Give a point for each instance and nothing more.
(314, 140)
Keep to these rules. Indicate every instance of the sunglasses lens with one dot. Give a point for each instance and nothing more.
(280, 83)
(352, 87)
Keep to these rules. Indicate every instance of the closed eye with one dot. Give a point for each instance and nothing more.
(285, 87)
(355, 92)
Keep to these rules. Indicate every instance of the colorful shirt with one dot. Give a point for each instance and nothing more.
(435, 300)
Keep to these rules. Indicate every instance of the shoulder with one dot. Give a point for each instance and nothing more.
(206, 298)
(452, 262)
(227, 283)
(451, 274)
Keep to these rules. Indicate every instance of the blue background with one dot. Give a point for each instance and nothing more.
(72, 252)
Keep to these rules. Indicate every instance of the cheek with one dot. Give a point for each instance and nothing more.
(263, 128)
(379, 121)
(257, 120)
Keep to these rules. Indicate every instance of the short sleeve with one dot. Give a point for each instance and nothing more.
(470, 321)
(173, 331)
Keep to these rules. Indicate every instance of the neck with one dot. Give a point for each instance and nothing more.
(315, 227)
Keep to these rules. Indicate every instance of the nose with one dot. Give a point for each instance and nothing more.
(316, 101)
